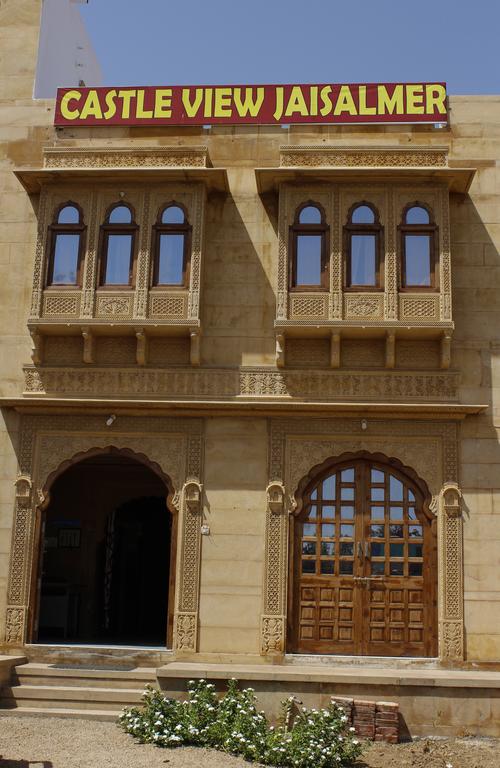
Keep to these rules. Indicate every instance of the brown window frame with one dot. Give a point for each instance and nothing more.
(56, 229)
(297, 229)
(376, 229)
(160, 229)
(431, 230)
(117, 229)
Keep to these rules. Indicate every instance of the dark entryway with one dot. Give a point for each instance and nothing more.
(107, 564)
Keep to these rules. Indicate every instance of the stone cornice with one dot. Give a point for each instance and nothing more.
(362, 157)
(126, 157)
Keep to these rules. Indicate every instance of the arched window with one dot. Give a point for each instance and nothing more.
(66, 246)
(364, 561)
(172, 240)
(363, 247)
(308, 249)
(418, 249)
(118, 246)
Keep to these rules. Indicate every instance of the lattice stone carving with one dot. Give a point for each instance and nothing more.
(364, 306)
(361, 353)
(304, 305)
(308, 353)
(110, 305)
(126, 157)
(62, 305)
(376, 157)
(63, 350)
(417, 354)
(419, 307)
(168, 305)
(115, 350)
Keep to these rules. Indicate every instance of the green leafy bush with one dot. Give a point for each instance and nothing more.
(305, 738)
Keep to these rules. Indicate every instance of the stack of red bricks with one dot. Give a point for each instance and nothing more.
(373, 720)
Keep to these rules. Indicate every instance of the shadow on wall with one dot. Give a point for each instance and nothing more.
(6, 763)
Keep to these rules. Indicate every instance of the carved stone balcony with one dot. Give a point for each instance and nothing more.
(337, 178)
(146, 178)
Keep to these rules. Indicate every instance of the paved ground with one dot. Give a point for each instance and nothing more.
(57, 743)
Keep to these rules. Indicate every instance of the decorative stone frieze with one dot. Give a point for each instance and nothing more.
(360, 157)
(376, 385)
(126, 157)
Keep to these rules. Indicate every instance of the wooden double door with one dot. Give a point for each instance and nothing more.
(363, 565)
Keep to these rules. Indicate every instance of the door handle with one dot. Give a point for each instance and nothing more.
(367, 550)
(360, 550)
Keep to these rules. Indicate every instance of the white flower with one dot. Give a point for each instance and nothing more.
(352, 730)
(449, 765)
(355, 741)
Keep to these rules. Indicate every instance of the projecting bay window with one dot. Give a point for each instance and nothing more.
(309, 263)
(418, 250)
(117, 247)
(362, 237)
(172, 244)
(65, 257)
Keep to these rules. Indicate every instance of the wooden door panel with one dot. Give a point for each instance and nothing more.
(326, 618)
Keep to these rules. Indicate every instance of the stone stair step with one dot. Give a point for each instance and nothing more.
(77, 714)
(46, 675)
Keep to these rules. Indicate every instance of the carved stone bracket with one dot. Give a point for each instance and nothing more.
(275, 498)
(451, 602)
(193, 496)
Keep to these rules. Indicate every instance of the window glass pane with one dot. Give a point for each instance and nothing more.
(377, 531)
(314, 494)
(418, 259)
(377, 549)
(328, 548)
(347, 494)
(346, 566)
(328, 512)
(411, 496)
(308, 547)
(309, 529)
(173, 215)
(397, 550)
(377, 569)
(415, 531)
(347, 513)
(171, 260)
(347, 476)
(308, 566)
(396, 489)
(329, 488)
(378, 513)
(363, 215)
(415, 569)
(118, 260)
(308, 260)
(396, 513)
(328, 530)
(310, 215)
(347, 531)
(397, 569)
(396, 531)
(363, 261)
(327, 566)
(347, 548)
(417, 215)
(120, 215)
(414, 550)
(69, 215)
(65, 259)
(377, 476)
(377, 494)
(412, 515)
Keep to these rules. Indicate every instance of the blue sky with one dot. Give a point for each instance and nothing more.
(154, 42)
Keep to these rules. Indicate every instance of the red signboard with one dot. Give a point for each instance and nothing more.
(253, 104)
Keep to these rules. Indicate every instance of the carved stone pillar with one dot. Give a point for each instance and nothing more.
(451, 597)
(18, 590)
(188, 564)
(273, 619)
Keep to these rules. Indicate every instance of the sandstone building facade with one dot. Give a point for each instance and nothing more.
(249, 385)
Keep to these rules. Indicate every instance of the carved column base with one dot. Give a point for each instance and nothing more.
(272, 635)
(185, 631)
(15, 627)
(452, 640)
